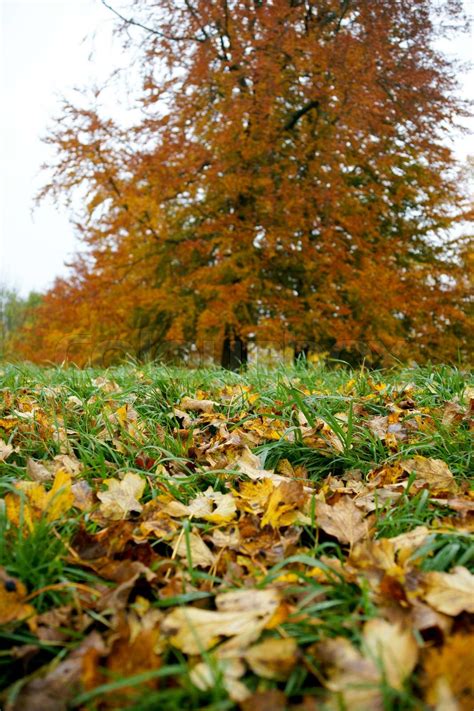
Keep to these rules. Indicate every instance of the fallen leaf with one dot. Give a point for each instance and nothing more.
(33, 501)
(199, 554)
(344, 520)
(228, 671)
(239, 613)
(56, 687)
(273, 658)
(394, 647)
(433, 472)
(13, 607)
(450, 593)
(6, 450)
(122, 496)
(283, 504)
(447, 674)
(194, 405)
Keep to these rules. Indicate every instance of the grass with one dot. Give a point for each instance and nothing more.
(315, 427)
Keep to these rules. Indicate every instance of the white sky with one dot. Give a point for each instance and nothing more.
(43, 54)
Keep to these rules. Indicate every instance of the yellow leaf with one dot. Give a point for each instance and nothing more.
(12, 605)
(273, 658)
(33, 501)
(284, 504)
(448, 678)
(450, 593)
(122, 496)
(200, 554)
(394, 647)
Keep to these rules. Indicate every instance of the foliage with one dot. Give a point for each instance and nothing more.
(162, 547)
(287, 178)
(16, 313)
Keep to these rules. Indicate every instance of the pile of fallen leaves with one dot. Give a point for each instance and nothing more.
(227, 548)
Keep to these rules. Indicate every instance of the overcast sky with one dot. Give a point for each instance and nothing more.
(45, 49)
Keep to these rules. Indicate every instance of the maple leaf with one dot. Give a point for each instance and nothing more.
(122, 496)
(211, 506)
(34, 501)
(283, 504)
(343, 520)
(450, 593)
(433, 472)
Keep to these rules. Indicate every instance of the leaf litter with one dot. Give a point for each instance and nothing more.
(297, 539)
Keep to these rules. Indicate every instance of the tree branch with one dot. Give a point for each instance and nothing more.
(135, 23)
(293, 120)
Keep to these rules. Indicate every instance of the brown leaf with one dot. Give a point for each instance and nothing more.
(450, 593)
(344, 520)
(59, 684)
(433, 472)
(194, 405)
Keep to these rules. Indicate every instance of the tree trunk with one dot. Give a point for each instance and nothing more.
(234, 353)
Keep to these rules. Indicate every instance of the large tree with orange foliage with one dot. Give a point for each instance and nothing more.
(288, 180)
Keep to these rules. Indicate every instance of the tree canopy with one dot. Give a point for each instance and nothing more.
(288, 180)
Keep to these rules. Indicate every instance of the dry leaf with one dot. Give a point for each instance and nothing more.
(433, 472)
(37, 471)
(203, 676)
(273, 658)
(396, 648)
(193, 630)
(448, 674)
(199, 553)
(188, 403)
(34, 501)
(243, 612)
(122, 496)
(6, 450)
(283, 504)
(13, 607)
(450, 593)
(344, 520)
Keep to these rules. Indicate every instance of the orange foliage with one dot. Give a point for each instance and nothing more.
(288, 180)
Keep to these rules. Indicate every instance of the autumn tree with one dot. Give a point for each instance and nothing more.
(288, 180)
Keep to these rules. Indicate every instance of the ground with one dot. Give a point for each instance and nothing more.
(281, 539)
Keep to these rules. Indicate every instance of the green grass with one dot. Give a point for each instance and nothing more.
(183, 459)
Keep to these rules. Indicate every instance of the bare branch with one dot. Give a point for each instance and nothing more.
(151, 30)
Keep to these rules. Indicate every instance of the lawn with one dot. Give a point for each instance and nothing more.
(296, 538)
